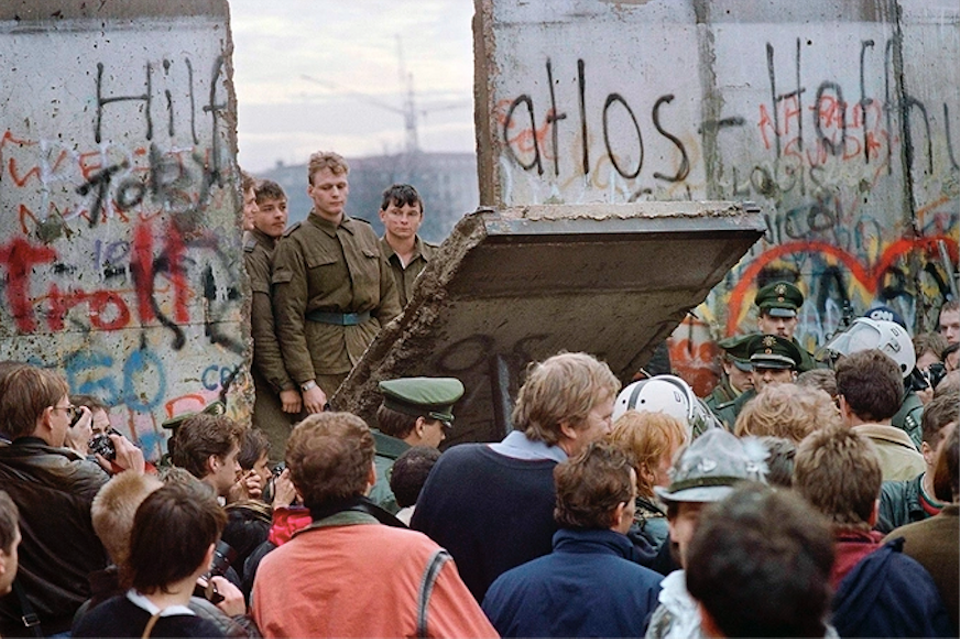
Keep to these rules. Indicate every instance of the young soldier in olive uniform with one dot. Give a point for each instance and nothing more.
(416, 411)
(775, 360)
(735, 372)
(333, 289)
(402, 213)
(278, 400)
(778, 303)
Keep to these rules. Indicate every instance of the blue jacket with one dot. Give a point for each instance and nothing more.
(587, 587)
(889, 594)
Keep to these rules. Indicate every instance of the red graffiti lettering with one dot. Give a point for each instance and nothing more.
(20, 258)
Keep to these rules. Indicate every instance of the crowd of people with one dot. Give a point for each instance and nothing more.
(808, 495)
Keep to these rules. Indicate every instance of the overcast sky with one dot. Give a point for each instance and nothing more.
(350, 50)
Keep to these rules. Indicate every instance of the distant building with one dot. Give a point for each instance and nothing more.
(447, 182)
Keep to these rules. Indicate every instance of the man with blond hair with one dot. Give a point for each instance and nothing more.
(347, 575)
(53, 488)
(491, 505)
(332, 287)
(788, 411)
(878, 591)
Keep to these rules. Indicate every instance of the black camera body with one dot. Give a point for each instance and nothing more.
(103, 445)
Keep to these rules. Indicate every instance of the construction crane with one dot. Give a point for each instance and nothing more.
(409, 109)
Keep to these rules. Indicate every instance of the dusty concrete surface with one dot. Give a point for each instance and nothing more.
(120, 257)
(518, 285)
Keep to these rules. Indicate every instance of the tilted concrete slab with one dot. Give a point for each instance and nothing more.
(517, 285)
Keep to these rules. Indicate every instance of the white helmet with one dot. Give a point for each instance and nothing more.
(667, 394)
(889, 337)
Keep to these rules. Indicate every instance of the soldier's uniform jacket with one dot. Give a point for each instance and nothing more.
(319, 266)
(422, 253)
(722, 393)
(729, 411)
(909, 417)
(267, 359)
(807, 362)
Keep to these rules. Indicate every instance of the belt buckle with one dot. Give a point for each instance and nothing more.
(30, 620)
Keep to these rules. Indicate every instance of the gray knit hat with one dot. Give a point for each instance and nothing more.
(709, 467)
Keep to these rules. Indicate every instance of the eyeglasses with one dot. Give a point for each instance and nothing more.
(70, 409)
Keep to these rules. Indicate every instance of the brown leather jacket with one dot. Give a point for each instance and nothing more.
(53, 489)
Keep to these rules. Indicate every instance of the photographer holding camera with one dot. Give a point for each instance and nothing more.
(181, 524)
(53, 487)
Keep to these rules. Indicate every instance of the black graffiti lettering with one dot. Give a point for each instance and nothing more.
(130, 193)
(99, 183)
(684, 169)
(893, 284)
(508, 122)
(585, 142)
(552, 118)
(465, 354)
(612, 99)
(212, 173)
(888, 99)
(831, 285)
(213, 321)
(907, 104)
(946, 124)
(775, 113)
(864, 100)
(193, 106)
(833, 148)
(763, 183)
(103, 101)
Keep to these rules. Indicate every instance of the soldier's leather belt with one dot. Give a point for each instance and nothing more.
(338, 319)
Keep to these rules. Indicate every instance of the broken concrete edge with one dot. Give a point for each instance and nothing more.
(398, 341)
(484, 71)
(665, 209)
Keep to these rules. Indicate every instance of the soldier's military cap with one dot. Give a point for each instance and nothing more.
(779, 299)
(431, 397)
(213, 408)
(773, 351)
(737, 350)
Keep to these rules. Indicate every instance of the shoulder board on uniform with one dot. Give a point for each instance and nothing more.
(292, 228)
(727, 404)
(249, 244)
(431, 244)
(360, 219)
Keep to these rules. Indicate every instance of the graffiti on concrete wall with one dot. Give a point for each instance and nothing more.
(845, 134)
(120, 255)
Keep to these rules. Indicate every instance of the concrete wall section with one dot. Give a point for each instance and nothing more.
(518, 285)
(840, 119)
(119, 239)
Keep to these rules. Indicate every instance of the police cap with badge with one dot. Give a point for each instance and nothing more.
(429, 397)
(736, 350)
(779, 299)
(773, 351)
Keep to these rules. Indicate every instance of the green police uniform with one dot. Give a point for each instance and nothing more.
(766, 351)
(721, 394)
(783, 299)
(735, 351)
(406, 276)
(333, 291)
(429, 397)
(908, 418)
(269, 375)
